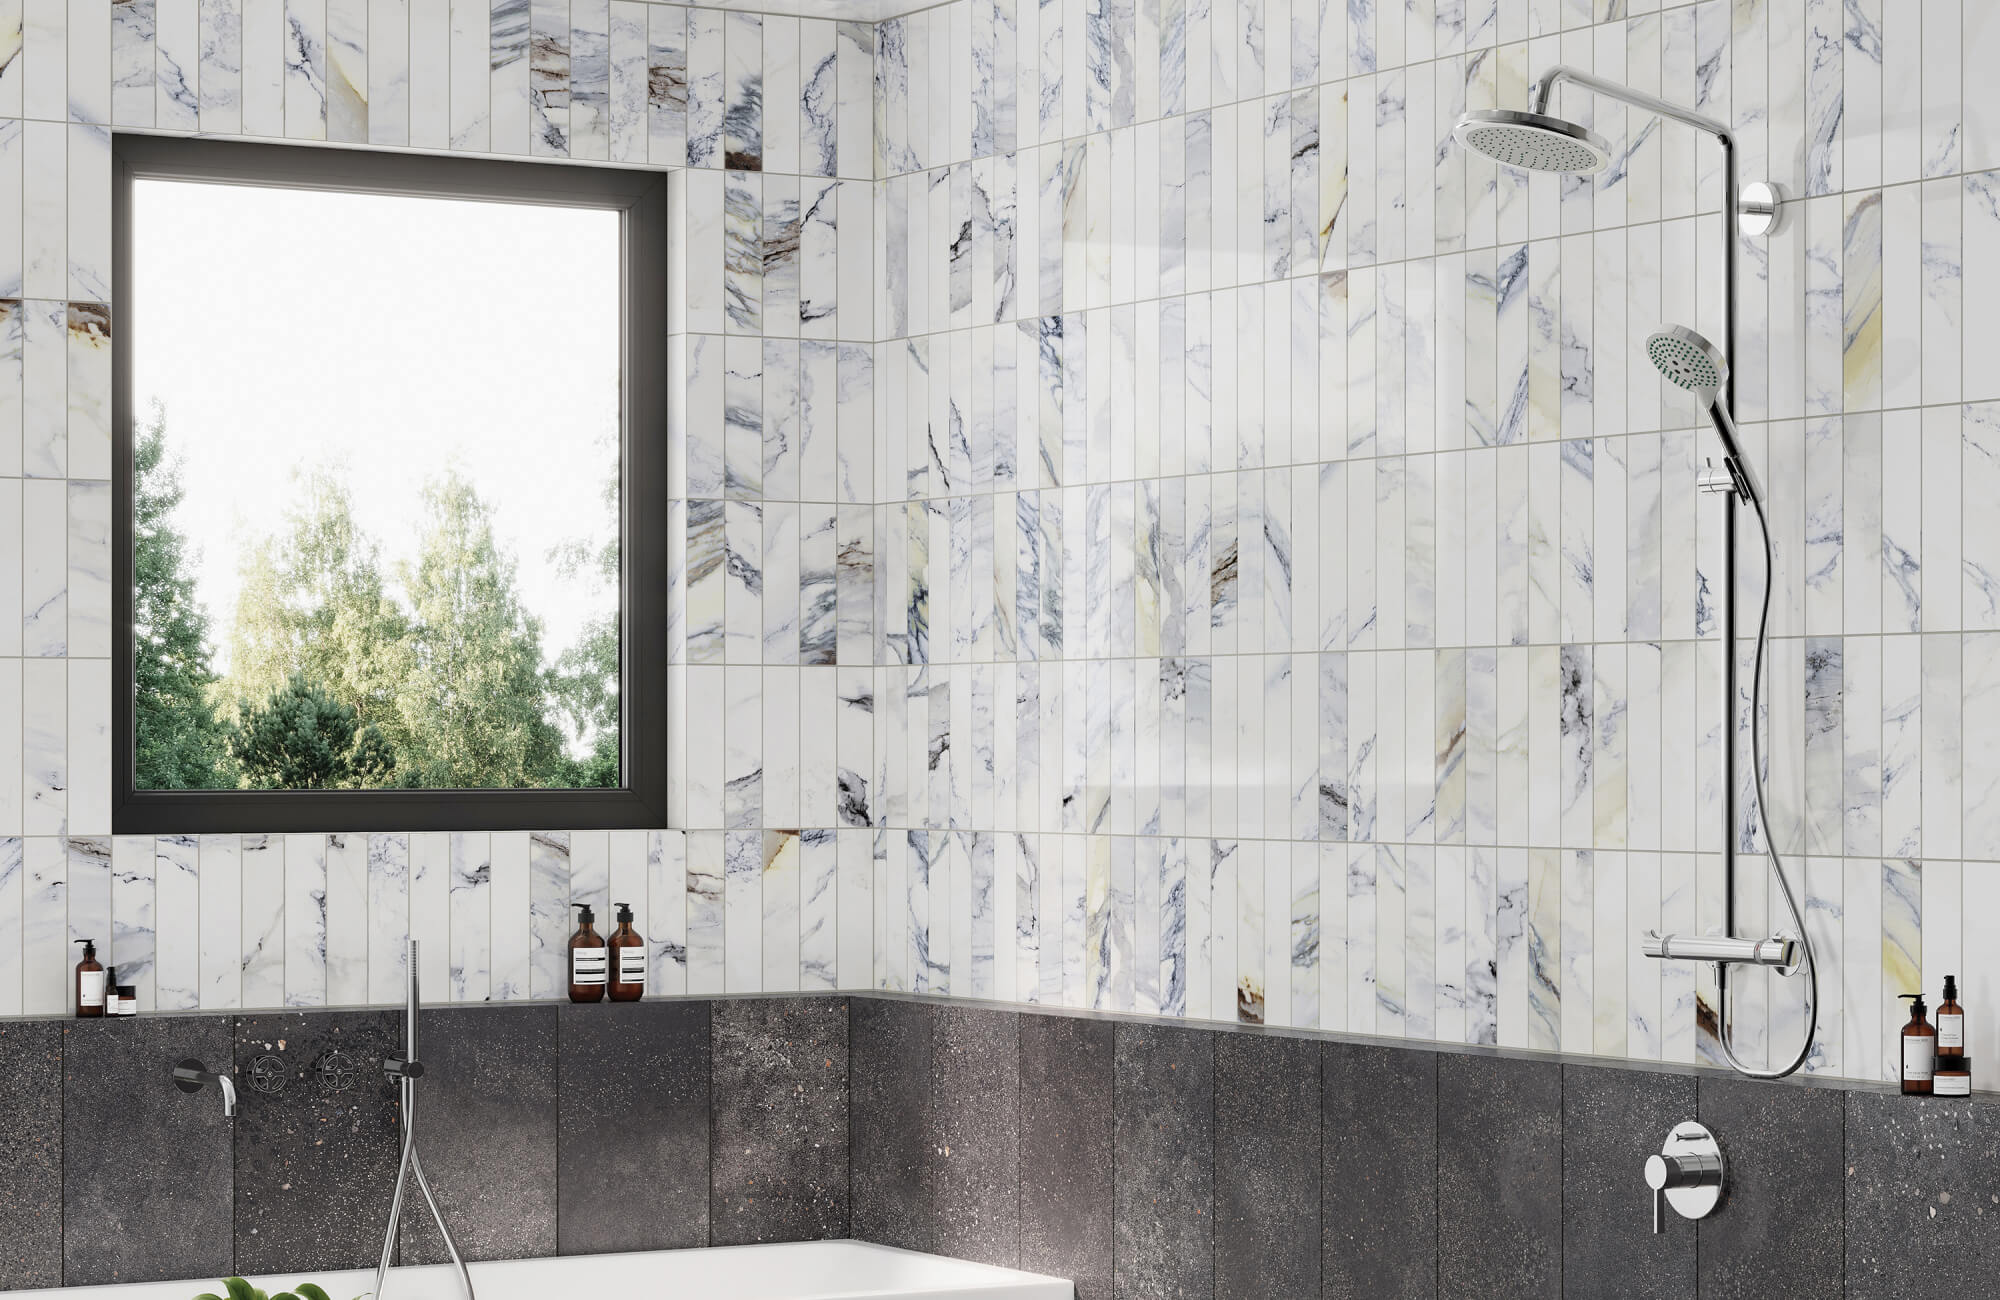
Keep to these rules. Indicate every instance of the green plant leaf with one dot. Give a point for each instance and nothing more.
(208, 1295)
(311, 1291)
(240, 1290)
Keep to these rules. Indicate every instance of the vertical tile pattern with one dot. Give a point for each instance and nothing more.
(1379, 1138)
(1067, 1143)
(779, 1169)
(491, 1124)
(1500, 1197)
(634, 1113)
(146, 1177)
(1267, 1156)
(31, 1203)
(1123, 455)
(316, 1158)
(1164, 1162)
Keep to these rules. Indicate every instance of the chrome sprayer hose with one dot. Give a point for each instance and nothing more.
(1770, 840)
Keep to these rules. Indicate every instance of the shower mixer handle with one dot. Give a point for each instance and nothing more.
(1779, 950)
(1687, 1174)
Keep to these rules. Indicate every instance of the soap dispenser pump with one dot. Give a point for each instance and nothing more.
(89, 982)
(628, 959)
(587, 953)
(1919, 1054)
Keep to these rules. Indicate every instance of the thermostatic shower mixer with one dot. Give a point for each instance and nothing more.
(1687, 1174)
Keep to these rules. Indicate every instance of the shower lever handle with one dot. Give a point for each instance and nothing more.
(1686, 1174)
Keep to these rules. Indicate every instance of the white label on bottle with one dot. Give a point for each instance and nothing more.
(1952, 1085)
(1919, 1057)
(91, 991)
(1951, 1032)
(587, 965)
(631, 965)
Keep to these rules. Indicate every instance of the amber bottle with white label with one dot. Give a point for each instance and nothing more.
(1950, 1022)
(587, 965)
(89, 982)
(628, 959)
(1919, 1043)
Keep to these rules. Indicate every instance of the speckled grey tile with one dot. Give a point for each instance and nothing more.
(1165, 1163)
(146, 1167)
(31, 1182)
(779, 1138)
(891, 1066)
(974, 1176)
(486, 1130)
(1778, 1231)
(1267, 1166)
(1612, 1120)
(633, 1156)
(1066, 1151)
(1380, 1173)
(316, 1159)
(1499, 1177)
(1923, 1195)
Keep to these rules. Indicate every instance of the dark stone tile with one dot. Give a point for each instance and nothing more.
(1066, 1151)
(315, 1162)
(1380, 1173)
(1777, 1233)
(633, 1156)
(1165, 1163)
(974, 1180)
(486, 1132)
(779, 1128)
(891, 1066)
(1612, 1119)
(1499, 1178)
(31, 1183)
(1923, 1195)
(146, 1167)
(1267, 1166)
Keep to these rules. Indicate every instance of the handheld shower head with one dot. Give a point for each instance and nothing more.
(1687, 360)
(1536, 142)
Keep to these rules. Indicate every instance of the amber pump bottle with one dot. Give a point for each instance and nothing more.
(1919, 1057)
(628, 959)
(89, 982)
(586, 958)
(1950, 1021)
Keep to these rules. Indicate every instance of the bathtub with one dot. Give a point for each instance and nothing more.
(811, 1270)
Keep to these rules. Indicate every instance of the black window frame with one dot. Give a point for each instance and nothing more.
(640, 197)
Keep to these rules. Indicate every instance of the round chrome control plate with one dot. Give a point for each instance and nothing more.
(1692, 1139)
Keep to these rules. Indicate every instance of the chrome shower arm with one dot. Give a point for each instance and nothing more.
(1545, 87)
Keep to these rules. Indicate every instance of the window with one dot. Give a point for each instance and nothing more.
(389, 451)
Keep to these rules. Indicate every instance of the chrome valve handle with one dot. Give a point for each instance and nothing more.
(1687, 1174)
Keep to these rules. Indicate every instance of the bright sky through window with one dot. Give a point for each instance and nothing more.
(392, 342)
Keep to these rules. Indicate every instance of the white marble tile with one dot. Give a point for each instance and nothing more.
(388, 916)
(220, 918)
(305, 928)
(262, 864)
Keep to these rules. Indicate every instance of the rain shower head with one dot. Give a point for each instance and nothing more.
(1536, 142)
(1685, 358)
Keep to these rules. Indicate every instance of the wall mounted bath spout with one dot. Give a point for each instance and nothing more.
(190, 1075)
